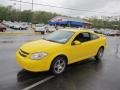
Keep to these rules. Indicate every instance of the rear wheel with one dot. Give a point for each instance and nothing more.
(58, 65)
(99, 54)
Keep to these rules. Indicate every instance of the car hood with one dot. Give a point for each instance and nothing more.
(39, 45)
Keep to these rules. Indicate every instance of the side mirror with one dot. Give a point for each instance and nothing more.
(76, 42)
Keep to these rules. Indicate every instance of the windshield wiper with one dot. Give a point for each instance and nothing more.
(51, 40)
(48, 40)
(44, 38)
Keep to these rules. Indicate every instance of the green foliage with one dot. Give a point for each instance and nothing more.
(11, 14)
(42, 17)
(111, 23)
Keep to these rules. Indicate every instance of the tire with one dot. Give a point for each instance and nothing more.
(58, 65)
(42, 32)
(20, 28)
(99, 54)
(4, 30)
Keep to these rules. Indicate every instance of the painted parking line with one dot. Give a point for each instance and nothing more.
(38, 83)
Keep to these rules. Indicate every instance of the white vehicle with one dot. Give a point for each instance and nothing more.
(20, 26)
(10, 24)
(24, 26)
(50, 28)
(17, 26)
(40, 28)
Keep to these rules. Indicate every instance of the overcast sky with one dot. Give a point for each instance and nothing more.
(100, 7)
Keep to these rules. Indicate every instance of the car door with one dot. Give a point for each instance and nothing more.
(83, 50)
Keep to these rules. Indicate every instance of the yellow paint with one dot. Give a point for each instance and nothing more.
(73, 53)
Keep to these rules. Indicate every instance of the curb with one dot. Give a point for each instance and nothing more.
(15, 33)
(19, 33)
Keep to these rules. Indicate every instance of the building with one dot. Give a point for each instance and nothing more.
(69, 22)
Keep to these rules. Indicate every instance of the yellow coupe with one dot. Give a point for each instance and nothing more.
(60, 48)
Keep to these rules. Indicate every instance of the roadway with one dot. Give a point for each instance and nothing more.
(87, 75)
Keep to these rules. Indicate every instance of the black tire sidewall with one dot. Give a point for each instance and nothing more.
(98, 56)
(42, 32)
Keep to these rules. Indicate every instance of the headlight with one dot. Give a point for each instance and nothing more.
(38, 56)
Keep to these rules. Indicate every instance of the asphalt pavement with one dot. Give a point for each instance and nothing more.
(85, 75)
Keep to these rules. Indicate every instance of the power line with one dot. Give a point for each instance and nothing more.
(53, 6)
(32, 4)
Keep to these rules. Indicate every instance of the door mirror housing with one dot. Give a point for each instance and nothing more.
(76, 42)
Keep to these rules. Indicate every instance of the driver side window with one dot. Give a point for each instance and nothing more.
(83, 37)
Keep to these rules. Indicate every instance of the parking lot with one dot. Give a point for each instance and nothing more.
(85, 75)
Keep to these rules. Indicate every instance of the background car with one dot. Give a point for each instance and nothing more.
(17, 26)
(118, 33)
(20, 26)
(40, 28)
(10, 25)
(50, 28)
(2, 28)
(24, 26)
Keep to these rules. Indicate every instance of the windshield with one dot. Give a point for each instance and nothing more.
(60, 36)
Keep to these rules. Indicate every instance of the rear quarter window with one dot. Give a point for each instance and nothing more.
(93, 36)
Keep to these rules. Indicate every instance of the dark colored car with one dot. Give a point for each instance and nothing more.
(118, 33)
(2, 28)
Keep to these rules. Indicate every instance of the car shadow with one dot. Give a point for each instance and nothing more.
(90, 62)
(27, 78)
(24, 75)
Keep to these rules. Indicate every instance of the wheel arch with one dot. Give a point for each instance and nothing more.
(59, 55)
(102, 47)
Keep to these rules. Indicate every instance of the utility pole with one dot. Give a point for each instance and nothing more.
(32, 16)
(20, 10)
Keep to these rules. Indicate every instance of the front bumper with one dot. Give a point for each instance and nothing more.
(33, 65)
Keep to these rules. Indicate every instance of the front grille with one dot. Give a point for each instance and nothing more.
(23, 53)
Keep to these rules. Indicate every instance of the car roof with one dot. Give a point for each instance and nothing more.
(78, 30)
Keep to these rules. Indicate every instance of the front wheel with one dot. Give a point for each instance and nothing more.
(99, 54)
(58, 65)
